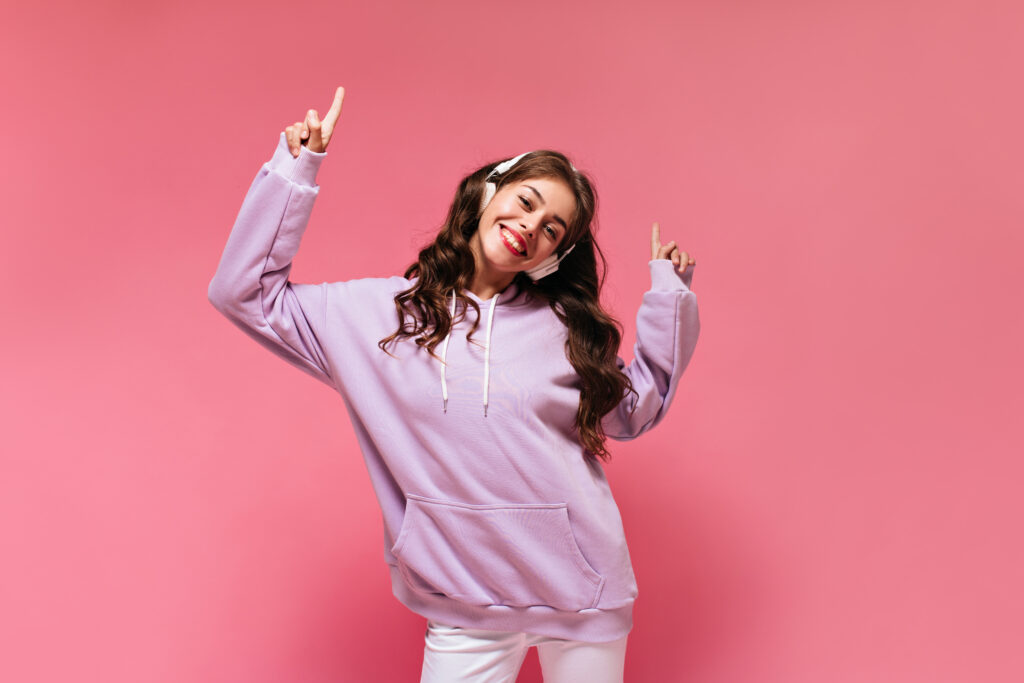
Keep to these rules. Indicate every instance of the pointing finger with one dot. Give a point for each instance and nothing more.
(655, 241)
(335, 111)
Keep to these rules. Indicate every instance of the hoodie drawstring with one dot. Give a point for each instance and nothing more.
(487, 349)
(444, 357)
(487, 353)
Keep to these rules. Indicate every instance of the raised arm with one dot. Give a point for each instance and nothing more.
(251, 286)
(667, 327)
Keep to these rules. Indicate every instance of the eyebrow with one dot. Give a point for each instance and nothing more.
(541, 198)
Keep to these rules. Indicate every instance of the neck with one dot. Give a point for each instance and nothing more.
(486, 283)
(488, 288)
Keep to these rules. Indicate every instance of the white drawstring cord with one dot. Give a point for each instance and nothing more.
(444, 357)
(487, 353)
(487, 349)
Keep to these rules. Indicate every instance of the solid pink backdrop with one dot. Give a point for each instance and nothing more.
(835, 495)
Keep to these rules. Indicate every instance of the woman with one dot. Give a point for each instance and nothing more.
(482, 386)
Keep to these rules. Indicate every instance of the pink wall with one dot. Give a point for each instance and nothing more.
(836, 493)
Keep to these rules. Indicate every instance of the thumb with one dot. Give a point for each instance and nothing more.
(316, 141)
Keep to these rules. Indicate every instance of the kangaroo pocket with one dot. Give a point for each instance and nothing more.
(517, 555)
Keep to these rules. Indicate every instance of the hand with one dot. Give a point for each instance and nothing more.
(680, 259)
(314, 133)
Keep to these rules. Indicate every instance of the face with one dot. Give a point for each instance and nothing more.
(523, 224)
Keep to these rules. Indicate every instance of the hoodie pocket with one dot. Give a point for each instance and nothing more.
(514, 555)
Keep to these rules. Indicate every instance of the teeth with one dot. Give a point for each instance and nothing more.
(513, 240)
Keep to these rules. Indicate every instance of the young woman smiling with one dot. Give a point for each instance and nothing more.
(486, 455)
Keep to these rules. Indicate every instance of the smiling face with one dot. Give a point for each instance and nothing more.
(522, 225)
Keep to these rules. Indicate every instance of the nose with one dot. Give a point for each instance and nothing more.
(529, 224)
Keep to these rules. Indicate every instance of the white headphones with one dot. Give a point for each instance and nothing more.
(548, 265)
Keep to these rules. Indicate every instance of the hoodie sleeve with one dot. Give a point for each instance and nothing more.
(667, 327)
(251, 286)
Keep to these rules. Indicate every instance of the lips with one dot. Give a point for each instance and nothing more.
(513, 241)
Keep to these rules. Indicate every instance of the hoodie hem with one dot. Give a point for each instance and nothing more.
(589, 625)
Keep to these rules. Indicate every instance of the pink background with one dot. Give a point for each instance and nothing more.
(835, 495)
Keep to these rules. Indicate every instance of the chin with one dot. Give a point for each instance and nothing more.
(504, 262)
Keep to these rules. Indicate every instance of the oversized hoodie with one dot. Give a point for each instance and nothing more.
(492, 517)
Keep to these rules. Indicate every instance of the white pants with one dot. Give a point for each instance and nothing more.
(464, 655)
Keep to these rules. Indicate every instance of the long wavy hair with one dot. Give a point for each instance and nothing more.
(572, 291)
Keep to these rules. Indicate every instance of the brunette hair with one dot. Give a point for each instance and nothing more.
(572, 291)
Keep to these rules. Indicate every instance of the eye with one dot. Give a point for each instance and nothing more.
(550, 229)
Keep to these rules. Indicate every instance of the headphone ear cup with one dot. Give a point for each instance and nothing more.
(548, 265)
(544, 268)
(489, 190)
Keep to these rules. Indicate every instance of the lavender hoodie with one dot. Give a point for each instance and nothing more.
(491, 521)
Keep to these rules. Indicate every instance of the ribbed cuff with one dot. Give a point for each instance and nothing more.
(300, 170)
(665, 277)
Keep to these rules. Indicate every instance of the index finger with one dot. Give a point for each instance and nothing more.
(335, 111)
(655, 240)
